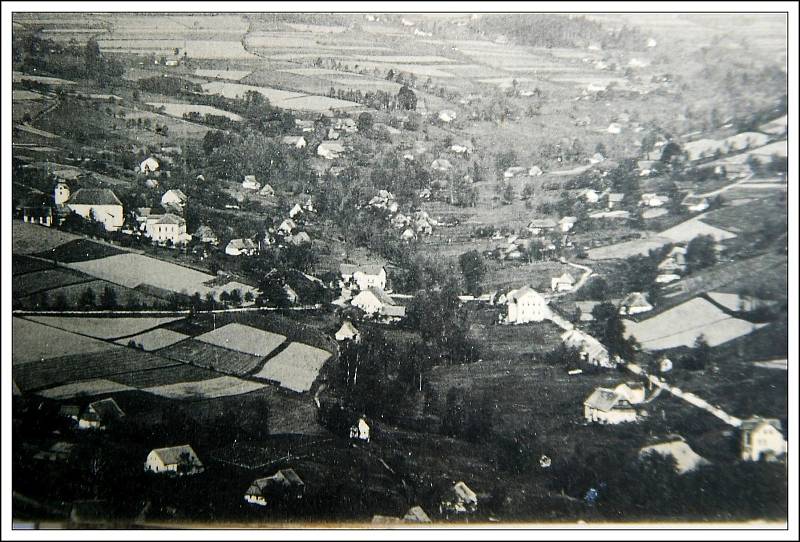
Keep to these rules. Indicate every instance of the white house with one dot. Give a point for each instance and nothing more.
(591, 196)
(175, 198)
(686, 459)
(99, 414)
(761, 438)
(541, 225)
(567, 223)
(298, 142)
(364, 276)
(287, 226)
(696, 204)
(564, 283)
(634, 303)
(267, 191)
(633, 392)
(591, 350)
(284, 484)
(238, 247)
(459, 499)
(100, 204)
(250, 183)
(447, 115)
(607, 407)
(167, 227)
(375, 301)
(180, 460)
(348, 332)
(330, 150)
(526, 305)
(360, 430)
(296, 210)
(206, 235)
(149, 165)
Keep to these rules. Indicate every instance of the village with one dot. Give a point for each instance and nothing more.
(385, 290)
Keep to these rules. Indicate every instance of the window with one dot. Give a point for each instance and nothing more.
(747, 439)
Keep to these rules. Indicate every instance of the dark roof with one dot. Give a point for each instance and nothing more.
(382, 296)
(279, 482)
(94, 196)
(106, 410)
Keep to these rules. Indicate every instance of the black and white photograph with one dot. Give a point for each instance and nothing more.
(432, 269)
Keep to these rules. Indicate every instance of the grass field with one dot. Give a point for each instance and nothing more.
(80, 250)
(178, 110)
(73, 293)
(30, 238)
(153, 339)
(295, 368)
(102, 328)
(32, 342)
(84, 388)
(222, 386)
(232, 75)
(23, 264)
(245, 339)
(212, 357)
(30, 283)
(163, 376)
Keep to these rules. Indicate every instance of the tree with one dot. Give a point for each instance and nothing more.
(473, 269)
(505, 160)
(365, 122)
(87, 298)
(108, 298)
(508, 193)
(700, 253)
(272, 293)
(527, 191)
(699, 357)
(406, 98)
(91, 56)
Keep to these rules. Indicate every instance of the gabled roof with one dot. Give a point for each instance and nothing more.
(177, 192)
(280, 481)
(693, 200)
(242, 244)
(616, 196)
(464, 493)
(755, 422)
(635, 299)
(686, 459)
(566, 278)
(94, 196)
(605, 400)
(347, 331)
(382, 296)
(368, 269)
(205, 231)
(542, 223)
(568, 220)
(173, 454)
(106, 410)
(170, 218)
(516, 295)
(416, 514)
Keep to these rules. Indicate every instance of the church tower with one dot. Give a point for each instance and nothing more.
(61, 192)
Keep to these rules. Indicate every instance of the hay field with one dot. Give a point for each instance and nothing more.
(85, 388)
(33, 342)
(223, 386)
(30, 238)
(212, 357)
(232, 75)
(102, 328)
(295, 368)
(154, 339)
(47, 279)
(178, 110)
(241, 338)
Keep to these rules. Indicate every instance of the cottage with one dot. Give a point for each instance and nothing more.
(250, 183)
(180, 460)
(295, 211)
(675, 260)
(761, 438)
(564, 283)
(416, 514)
(686, 459)
(634, 303)
(653, 200)
(585, 308)
(591, 196)
(205, 234)
(287, 226)
(666, 278)
(330, 150)
(100, 414)
(459, 499)
(150, 165)
(167, 228)
(596, 158)
(239, 247)
(39, 209)
(535, 171)
(348, 332)
(633, 392)
(447, 115)
(541, 225)
(300, 238)
(100, 204)
(607, 407)
(174, 198)
(364, 276)
(567, 223)
(347, 124)
(283, 485)
(695, 204)
(526, 305)
(590, 349)
(360, 430)
(374, 301)
(304, 125)
(298, 142)
(615, 198)
(513, 171)
(441, 165)
(267, 191)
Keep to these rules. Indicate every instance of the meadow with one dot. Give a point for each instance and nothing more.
(222, 386)
(207, 355)
(241, 338)
(33, 342)
(103, 328)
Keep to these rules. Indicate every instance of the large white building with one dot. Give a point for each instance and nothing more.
(526, 305)
(167, 227)
(100, 204)
(364, 276)
(761, 438)
(178, 460)
(608, 407)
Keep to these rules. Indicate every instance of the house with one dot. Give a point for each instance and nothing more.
(686, 459)
(675, 260)
(526, 305)
(447, 115)
(151, 183)
(267, 191)
(180, 460)
(607, 407)
(374, 301)
(287, 226)
(513, 171)
(283, 485)
(332, 135)
(591, 196)
(360, 430)
(634, 303)
(567, 223)
(615, 198)
(330, 150)
(347, 124)
(590, 349)
(596, 158)
(664, 365)
(696, 204)
(300, 238)
(364, 276)
(100, 204)
(348, 332)
(100, 414)
(535, 171)
(304, 125)
(653, 200)
(150, 165)
(408, 235)
(39, 209)
(296, 210)
(441, 165)
(564, 283)
(167, 228)
(250, 183)
(416, 514)
(174, 198)
(541, 225)
(298, 142)
(614, 128)
(586, 308)
(238, 247)
(761, 438)
(459, 499)
(667, 278)
(633, 392)
(205, 234)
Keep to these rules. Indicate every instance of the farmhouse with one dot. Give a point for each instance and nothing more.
(284, 484)
(348, 332)
(686, 459)
(447, 115)
(180, 460)
(38, 209)
(541, 225)
(635, 303)
(174, 198)
(167, 228)
(100, 204)
(374, 301)
(591, 196)
(696, 204)
(607, 407)
(287, 226)
(205, 234)
(364, 276)
(267, 191)
(329, 150)
(296, 210)
(633, 392)
(300, 238)
(459, 499)
(347, 124)
(591, 350)
(100, 414)
(250, 183)
(238, 247)
(441, 165)
(564, 283)
(150, 165)
(761, 438)
(298, 142)
(525, 305)
(615, 198)
(360, 430)
(567, 223)
(416, 514)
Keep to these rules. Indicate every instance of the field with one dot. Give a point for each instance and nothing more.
(197, 49)
(163, 376)
(83, 366)
(683, 324)
(23, 264)
(686, 231)
(212, 357)
(84, 388)
(178, 110)
(153, 339)
(245, 339)
(296, 367)
(30, 238)
(222, 386)
(32, 342)
(17, 77)
(102, 328)
(73, 293)
(30, 283)
(232, 75)
(233, 90)
(80, 250)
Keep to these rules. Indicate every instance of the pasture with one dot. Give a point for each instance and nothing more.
(31, 239)
(178, 110)
(241, 338)
(212, 357)
(33, 342)
(163, 376)
(223, 386)
(72, 295)
(84, 388)
(102, 328)
(154, 339)
(80, 250)
(24, 264)
(47, 279)
(232, 75)
(295, 368)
